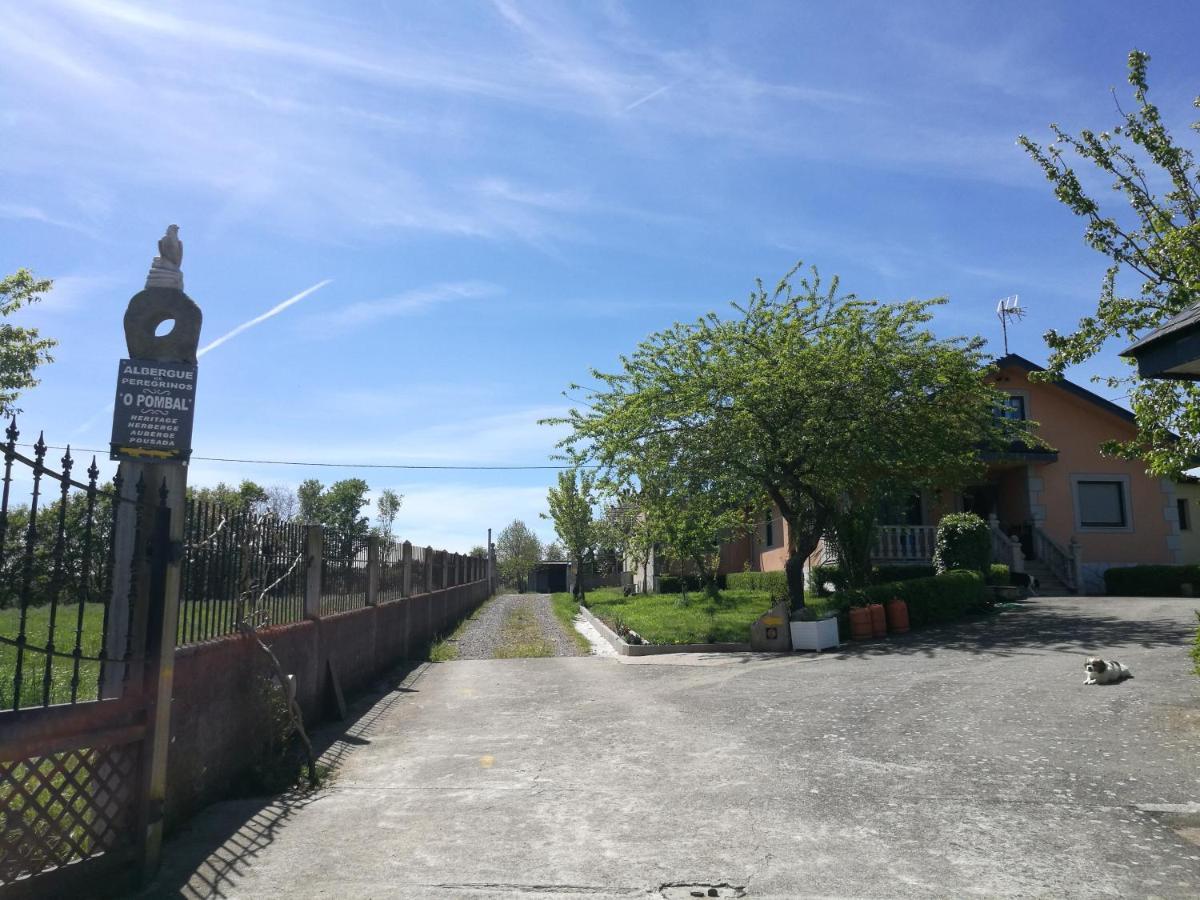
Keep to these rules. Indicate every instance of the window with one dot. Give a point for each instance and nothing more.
(1185, 521)
(769, 533)
(1013, 408)
(1101, 504)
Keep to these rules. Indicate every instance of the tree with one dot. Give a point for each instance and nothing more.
(803, 397)
(571, 505)
(517, 553)
(308, 495)
(22, 350)
(338, 507)
(479, 551)
(246, 497)
(282, 502)
(1154, 239)
(387, 507)
(554, 552)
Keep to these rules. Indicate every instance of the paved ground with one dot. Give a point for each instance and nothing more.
(969, 763)
(483, 635)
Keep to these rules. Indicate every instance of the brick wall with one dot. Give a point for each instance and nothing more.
(218, 710)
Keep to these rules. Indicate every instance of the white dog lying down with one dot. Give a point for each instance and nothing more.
(1105, 671)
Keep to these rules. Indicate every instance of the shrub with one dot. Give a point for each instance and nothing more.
(931, 601)
(674, 584)
(820, 576)
(1151, 581)
(885, 574)
(963, 542)
(774, 583)
(998, 573)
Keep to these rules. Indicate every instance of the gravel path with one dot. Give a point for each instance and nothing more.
(483, 636)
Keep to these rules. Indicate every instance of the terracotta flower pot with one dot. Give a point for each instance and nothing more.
(878, 620)
(897, 616)
(860, 623)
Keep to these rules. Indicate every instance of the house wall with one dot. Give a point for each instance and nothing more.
(1076, 427)
(1189, 538)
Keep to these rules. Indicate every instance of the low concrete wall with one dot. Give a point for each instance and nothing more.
(219, 731)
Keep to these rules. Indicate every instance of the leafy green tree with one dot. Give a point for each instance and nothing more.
(22, 350)
(308, 495)
(554, 552)
(479, 551)
(1154, 239)
(803, 397)
(387, 507)
(571, 503)
(246, 497)
(517, 553)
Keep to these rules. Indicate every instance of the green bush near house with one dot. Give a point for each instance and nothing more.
(1152, 581)
(819, 577)
(931, 601)
(998, 574)
(774, 583)
(963, 542)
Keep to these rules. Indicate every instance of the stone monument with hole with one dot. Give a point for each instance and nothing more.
(151, 436)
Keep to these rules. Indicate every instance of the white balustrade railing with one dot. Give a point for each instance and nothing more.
(904, 543)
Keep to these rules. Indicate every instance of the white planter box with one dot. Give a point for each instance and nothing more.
(815, 635)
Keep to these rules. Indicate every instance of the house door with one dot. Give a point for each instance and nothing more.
(981, 499)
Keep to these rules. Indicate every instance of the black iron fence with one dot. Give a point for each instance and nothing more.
(238, 567)
(391, 571)
(344, 574)
(55, 585)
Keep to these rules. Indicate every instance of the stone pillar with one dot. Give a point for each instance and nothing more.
(1017, 563)
(429, 562)
(373, 570)
(1077, 566)
(312, 583)
(406, 583)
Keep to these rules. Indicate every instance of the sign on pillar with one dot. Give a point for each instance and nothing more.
(152, 437)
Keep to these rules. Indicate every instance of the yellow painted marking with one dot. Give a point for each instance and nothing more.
(772, 620)
(486, 761)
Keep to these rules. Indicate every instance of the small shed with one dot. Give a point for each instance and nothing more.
(550, 577)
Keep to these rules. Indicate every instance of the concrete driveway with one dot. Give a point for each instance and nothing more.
(969, 762)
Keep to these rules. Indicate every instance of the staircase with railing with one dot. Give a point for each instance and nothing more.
(1065, 563)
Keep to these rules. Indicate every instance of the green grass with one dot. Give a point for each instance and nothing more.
(445, 649)
(565, 610)
(521, 636)
(667, 619)
(37, 629)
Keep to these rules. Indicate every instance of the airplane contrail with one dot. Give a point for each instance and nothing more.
(273, 311)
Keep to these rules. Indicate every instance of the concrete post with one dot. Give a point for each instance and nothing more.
(460, 568)
(491, 564)
(1017, 563)
(1077, 566)
(407, 576)
(429, 561)
(373, 570)
(312, 583)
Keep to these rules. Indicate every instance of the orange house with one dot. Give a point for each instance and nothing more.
(1064, 514)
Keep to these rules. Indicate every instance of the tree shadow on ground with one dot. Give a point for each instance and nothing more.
(210, 854)
(1029, 627)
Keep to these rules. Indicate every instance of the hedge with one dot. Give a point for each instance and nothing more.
(931, 601)
(1151, 581)
(774, 583)
(819, 576)
(673, 584)
(999, 573)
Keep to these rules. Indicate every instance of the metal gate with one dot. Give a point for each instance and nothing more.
(80, 657)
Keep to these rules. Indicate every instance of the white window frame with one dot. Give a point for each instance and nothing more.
(1126, 500)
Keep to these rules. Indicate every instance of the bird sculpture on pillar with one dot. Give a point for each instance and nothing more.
(165, 271)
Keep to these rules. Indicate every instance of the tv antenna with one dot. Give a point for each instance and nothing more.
(1008, 308)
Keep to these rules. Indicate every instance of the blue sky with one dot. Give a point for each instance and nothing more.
(495, 196)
